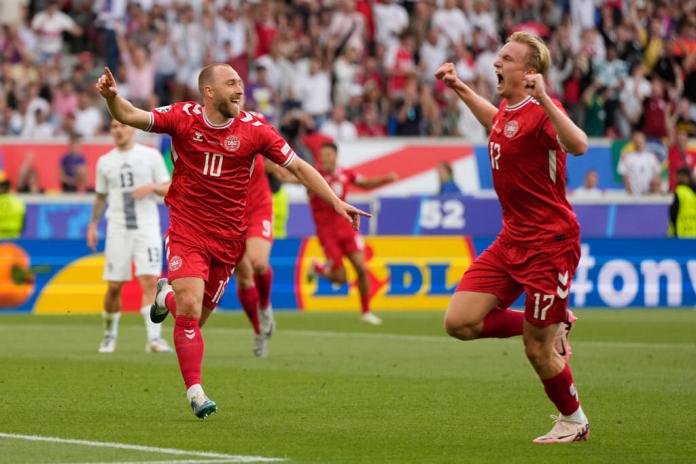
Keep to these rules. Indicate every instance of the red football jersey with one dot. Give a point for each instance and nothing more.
(259, 195)
(339, 181)
(212, 166)
(529, 176)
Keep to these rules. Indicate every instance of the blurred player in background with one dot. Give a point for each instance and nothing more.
(214, 146)
(338, 239)
(128, 178)
(538, 249)
(253, 274)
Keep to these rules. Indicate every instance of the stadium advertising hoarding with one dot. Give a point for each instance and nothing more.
(406, 273)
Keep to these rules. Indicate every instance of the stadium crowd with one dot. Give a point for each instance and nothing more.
(349, 68)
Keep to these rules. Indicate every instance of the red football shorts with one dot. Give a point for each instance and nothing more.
(191, 255)
(338, 242)
(544, 274)
(260, 223)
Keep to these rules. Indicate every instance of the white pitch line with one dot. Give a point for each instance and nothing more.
(185, 461)
(145, 449)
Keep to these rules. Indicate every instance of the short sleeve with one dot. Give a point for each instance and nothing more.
(101, 183)
(161, 173)
(164, 120)
(274, 146)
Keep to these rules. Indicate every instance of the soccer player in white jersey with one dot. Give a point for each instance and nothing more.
(128, 178)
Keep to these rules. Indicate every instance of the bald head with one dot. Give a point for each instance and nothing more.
(208, 74)
(221, 88)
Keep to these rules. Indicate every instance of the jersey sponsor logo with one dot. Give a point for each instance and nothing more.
(197, 137)
(164, 109)
(175, 263)
(190, 333)
(511, 128)
(231, 143)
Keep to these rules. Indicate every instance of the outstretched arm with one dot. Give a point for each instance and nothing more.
(310, 178)
(374, 182)
(121, 109)
(572, 138)
(479, 106)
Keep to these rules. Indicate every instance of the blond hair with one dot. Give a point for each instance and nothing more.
(538, 56)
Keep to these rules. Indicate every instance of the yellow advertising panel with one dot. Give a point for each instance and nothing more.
(405, 273)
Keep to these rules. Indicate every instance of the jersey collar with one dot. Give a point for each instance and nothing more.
(519, 105)
(224, 125)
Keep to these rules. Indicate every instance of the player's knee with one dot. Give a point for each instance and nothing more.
(188, 303)
(245, 282)
(114, 289)
(260, 266)
(361, 270)
(537, 353)
(457, 328)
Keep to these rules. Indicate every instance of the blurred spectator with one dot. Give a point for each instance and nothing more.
(12, 212)
(400, 64)
(65, 100)
(679, 157)
(640, 168)
(38, 127)
(594, 99)
(337, 127)
(346, 29)
(656, 112)
(452, 21)
(315, 92)
(408, 112)
(139, 69)
(370, 126)
(635, 89)
(589, 187)
(433, 53)
(49, 25)
(445, 174)
(11, 11)
(109, 14)
(682, 120)
(682, 212)
(345, 70)
(88, 117)
(73, 167)
(391, 19)
(260, 95)
(28, 176)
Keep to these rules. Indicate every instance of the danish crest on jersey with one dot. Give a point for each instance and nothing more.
(164, 109)
(175, 263)
(511, 128)
(232, 143)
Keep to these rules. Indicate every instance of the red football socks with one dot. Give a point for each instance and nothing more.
(249, 299)
(188, 342)
(502, 324)
(263, 286)
(170, 303)
(364, 303)
(561, 391)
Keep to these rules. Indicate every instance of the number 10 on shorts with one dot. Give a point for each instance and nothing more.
(542, 303)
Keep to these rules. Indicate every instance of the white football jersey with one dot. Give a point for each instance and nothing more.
(121, 172)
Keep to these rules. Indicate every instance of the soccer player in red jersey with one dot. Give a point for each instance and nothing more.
(337, 240)
(253, 274)
(213, 147)
(538, 249)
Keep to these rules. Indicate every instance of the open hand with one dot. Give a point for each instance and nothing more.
(106, 84)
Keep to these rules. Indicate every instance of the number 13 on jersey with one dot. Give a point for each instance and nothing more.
(494, 152)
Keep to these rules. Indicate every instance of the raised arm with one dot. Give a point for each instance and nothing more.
(310, 178)
(121, 109)
(572, 138)
(479, 106)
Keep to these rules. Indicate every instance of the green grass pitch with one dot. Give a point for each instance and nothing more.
(337, 391)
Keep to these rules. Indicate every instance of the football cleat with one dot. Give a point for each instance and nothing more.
(108, 345)
(563, 337)
(565, 431)
(267, 321)
(261, 345)
(203, 406)
(158, 310)
(370, 318)
(158, 345)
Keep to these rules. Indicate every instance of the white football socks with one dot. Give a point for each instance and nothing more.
(154, 331)
(194, 390)
(111, 323)
(577, 416)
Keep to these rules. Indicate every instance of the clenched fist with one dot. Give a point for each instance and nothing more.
(447, 74)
